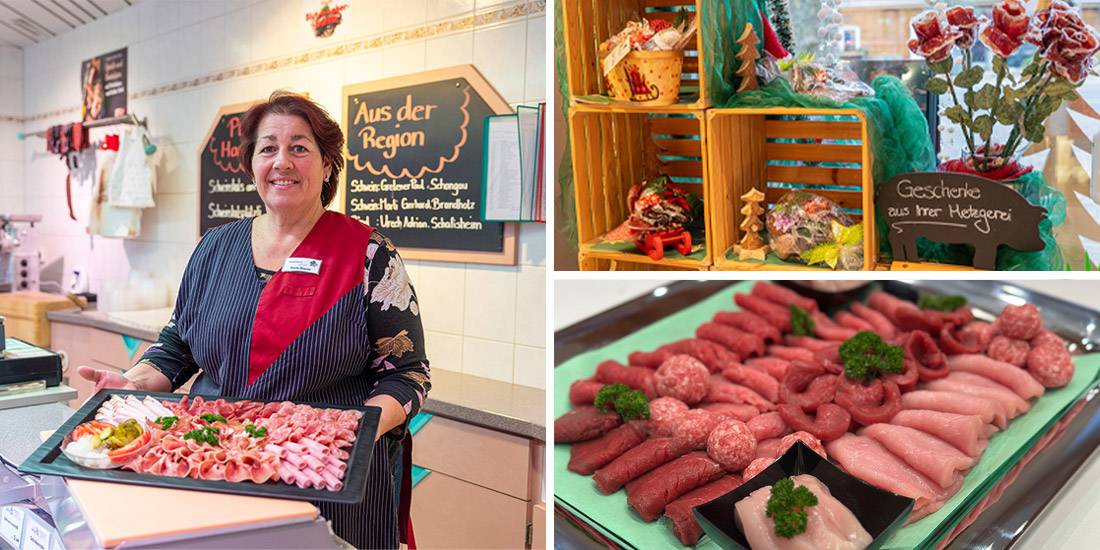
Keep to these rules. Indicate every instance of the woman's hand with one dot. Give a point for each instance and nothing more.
(105, 379)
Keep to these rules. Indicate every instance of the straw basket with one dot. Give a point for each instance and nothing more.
(647, 78)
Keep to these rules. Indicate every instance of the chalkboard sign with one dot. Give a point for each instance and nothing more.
(226, 193)
(415, 152)
(948, 207)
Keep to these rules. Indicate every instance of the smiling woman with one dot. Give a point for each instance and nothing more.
(300, 303)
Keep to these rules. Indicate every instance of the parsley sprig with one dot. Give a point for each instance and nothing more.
(802, 324)
(787, 507)
(208, 434)
(867, 356)
(254, 431)
(630, 404)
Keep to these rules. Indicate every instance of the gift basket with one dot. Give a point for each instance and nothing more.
(644, 61)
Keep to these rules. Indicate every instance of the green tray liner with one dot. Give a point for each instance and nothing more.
(611, 516)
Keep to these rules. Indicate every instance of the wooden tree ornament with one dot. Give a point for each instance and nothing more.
(752, 245)
(747, 55)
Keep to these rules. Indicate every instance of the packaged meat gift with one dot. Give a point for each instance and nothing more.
(285, 449)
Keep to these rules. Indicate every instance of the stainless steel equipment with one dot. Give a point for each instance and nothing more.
(20, 257)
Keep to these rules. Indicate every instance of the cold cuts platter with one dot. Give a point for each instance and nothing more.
(614, 502)
(301, 451)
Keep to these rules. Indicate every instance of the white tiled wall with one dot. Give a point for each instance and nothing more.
(480, 320)
(11, 150)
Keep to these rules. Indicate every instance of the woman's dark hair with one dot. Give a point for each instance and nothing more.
(330, 139)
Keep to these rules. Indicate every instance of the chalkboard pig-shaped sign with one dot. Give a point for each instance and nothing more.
(953, 208)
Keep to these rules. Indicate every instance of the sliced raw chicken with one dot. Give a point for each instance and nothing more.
(868, 460)
(829, 524)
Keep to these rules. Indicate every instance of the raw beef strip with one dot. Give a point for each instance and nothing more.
(850, 320)
(927, 454)
(739, 411)
(868, 460)
(881, 324)
(889, 305)
(808, 386)
(722, 391)
(744, 344)
(777, 316)
(646, 456)
(713, 355)
(869, 404)
(807, 342)
(583, 423)
(830, 422)
(826, 329)
(958, 403)
(761, 383)
(828, 525)
(683, 377)
(681, 514)
(1015, 378)
(783, 296)
(749, 322)
(651, 493)
(921, 348)
(955, 340)
(583, 392)
(639, 378)
(788, 353)
(767, 426)
(963, 431)
(773, 366)
(1019, 405)
(589, 456)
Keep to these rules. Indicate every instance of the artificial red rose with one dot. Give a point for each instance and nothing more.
(1008, 29)
(934, 39)
(999, 169)
(1065, 40)
(965, 23)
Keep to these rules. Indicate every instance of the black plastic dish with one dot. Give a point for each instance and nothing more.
(880, 512)
(49, 460)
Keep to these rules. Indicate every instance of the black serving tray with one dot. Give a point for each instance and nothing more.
(880, 512)
(49, 460)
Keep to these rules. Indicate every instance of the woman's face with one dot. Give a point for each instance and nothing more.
(287, 164)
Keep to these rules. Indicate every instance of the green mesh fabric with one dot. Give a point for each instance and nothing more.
(721, 23)
(907, 147)
(566, 208)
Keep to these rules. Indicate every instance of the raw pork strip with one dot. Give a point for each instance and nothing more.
(768, 426)
(1016, 403)
(958, 403)
(648, 455)
(850, 320)
(589, 456)
(1008, 404)
(583, 423)
(880, 322)
(583, 392)
(1014, 377)
(888, 305)
(828, 525)
(963, 431)
(783, 296)
(749, 322)
(807, 342)
(652, 492)
(744, 344)
(760, 382)
(826, 329)
(739, 411)
(777, 316)
(680, 512)
(788, 353)
(868, 460)
(639, 378)
(723, 391)
(927, 454)
(772, 366)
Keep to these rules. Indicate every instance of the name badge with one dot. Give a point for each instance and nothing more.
(302, 265)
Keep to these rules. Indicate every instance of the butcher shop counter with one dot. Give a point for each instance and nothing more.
(1052, 504)
(482, 445)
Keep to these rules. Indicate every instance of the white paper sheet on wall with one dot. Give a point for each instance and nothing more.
(528, 119)
(503, 189)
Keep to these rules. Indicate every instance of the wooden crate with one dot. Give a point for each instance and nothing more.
(748, 148)
(587, 23)
(612, 151)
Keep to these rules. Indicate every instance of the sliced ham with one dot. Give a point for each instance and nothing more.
(958, 403)
(925, 453)
(963, 431)
(868, 460)
(1011, 376)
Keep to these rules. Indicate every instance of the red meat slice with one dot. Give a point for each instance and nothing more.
(812, 442)
(758, 381)
(829, 358)
(583, 423)
(583, 392)
(744, 344)
(889, 305)
(635, 462)
(743, 413)
(655, 490)
(808, 386)
(826, 329)
(790, 354)
(587, 457)
(831, 420)
(931, 362)
(783, 296)
(807, 342)
(722, 391)
(955, 340)
(879, 322)
(639, 378)
(777, 316)
(850, 320)
(749, 322)
(767, 426)
(711, 354)
(772, 366)
(681, 511)
(869, 404)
